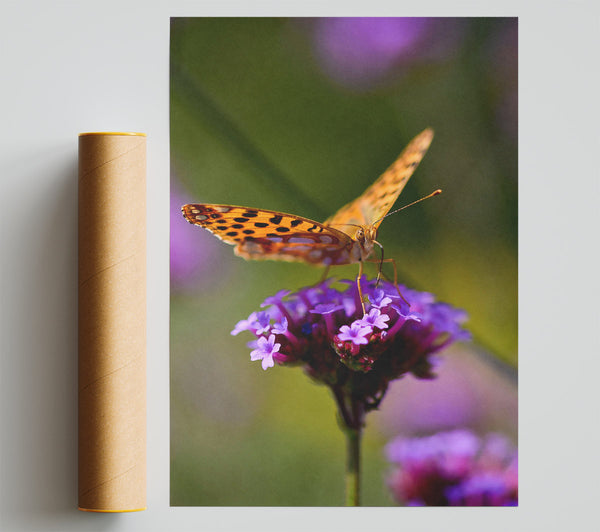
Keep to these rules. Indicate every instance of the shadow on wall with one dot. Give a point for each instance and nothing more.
(39, 368)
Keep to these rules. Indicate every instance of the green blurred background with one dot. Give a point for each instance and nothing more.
(291, 115)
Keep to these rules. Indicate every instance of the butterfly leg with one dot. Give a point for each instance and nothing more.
(325, 273)
(393, 262)
(360, 294)
(396, 280)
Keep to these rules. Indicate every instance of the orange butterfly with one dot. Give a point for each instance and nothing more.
(347, 237)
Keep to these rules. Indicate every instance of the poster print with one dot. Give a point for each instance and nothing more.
(325, 349)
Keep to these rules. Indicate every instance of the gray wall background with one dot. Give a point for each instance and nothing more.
(69, 67)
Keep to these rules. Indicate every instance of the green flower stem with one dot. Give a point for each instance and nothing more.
(352, 420)
(353, 466)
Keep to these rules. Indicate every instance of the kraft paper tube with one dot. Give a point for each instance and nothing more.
(112, 322)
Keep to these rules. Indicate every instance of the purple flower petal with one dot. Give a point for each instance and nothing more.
(276, 299)
(355, 333)
(379, 298)
(244, 325)
(263, 322)
(280, 327)
(375, 318)
(326, 308)
(265, 349)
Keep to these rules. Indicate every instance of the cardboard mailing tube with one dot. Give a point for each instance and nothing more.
(112, 322)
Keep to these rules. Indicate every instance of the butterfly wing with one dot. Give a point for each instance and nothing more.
(375, 202)
(261, 234)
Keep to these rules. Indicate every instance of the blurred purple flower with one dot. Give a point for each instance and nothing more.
(193, 253)
(359, 52)
(503, 66)
(356, 354)
(455, 468)
(450, 401)
(468, 392)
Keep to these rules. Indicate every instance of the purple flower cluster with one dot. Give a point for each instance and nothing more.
(455, 468)
(324, 330)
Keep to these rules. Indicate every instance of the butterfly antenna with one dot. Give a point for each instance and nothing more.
(434, 193)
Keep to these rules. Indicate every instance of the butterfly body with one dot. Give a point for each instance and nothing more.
(347, 237)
